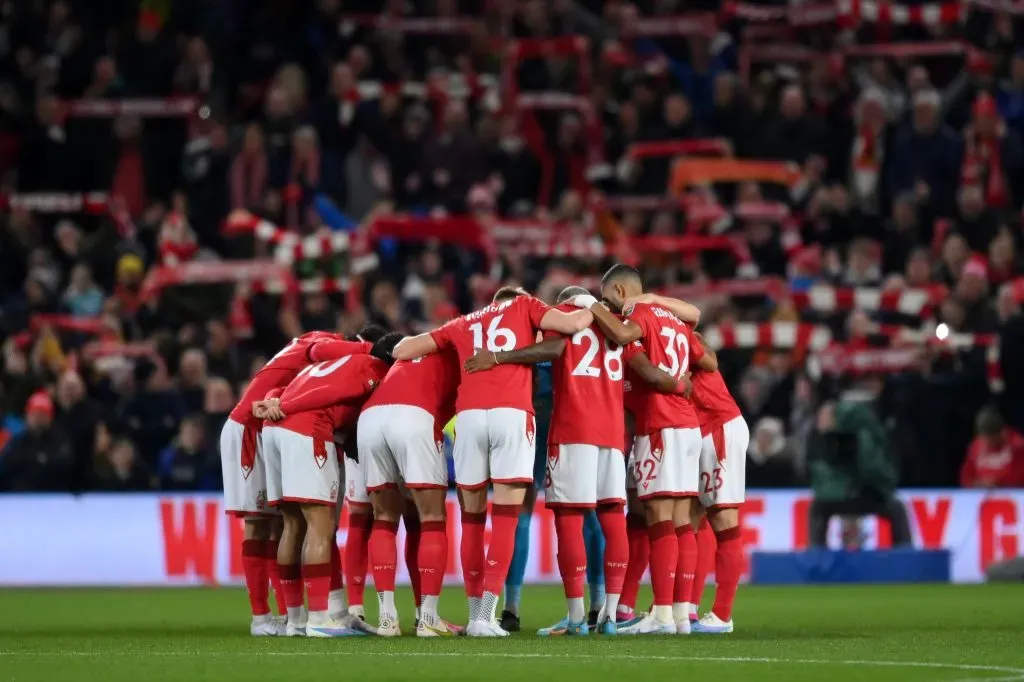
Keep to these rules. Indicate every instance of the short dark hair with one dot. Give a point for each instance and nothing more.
(989, 422)
(619, 272)
(570, 292)
(371, 333)
(505, 293)
(385, 346)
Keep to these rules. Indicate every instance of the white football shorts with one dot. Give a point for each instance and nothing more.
(244, 470)
(495, 445)
(666, 463)
(581, 475)
(401, 444)
(723, 465)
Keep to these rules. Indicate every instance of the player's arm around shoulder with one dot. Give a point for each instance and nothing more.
(543, 351)
(662, 381)
(555, 320)
(622, 332)
(707, 358)
(412, 347)
(687, 312)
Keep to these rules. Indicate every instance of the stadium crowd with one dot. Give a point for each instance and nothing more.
(188, 185)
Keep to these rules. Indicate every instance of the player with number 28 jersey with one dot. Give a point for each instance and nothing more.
(585, 460)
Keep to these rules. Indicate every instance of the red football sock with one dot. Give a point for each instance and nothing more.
(471, 550)
(433, 557)
(664, 558)
(504, 519)
(275, 578)
(257, 582)
(384, 555)
(705, 561)
(357, 546)
(291, 584)
(687, 565)
(616, 547)
(572, 552)
(639, 558)
(337, 582)
(728, 566)
(412, 550)
(317, 580)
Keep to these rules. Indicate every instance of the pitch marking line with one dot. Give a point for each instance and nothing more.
(1016, 674)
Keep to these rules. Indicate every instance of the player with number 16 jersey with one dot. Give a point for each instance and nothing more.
(495, 429)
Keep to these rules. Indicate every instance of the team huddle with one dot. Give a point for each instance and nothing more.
(629, 374)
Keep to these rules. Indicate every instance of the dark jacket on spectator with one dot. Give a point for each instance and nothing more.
(795, 140)
(178, 469)
(37, 461)
(135, 479)
(933, 159)
(79, 422)
(451, 165)
(151, 419)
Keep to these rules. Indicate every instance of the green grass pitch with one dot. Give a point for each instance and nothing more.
(897, 633)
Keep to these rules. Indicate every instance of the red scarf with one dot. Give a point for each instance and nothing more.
(983, 166)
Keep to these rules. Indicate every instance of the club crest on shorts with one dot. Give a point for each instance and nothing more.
(657, 447)
(261, 499)
(531, 429)
(319, 452)
(334, 490)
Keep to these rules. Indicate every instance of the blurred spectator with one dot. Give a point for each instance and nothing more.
(122, 470)
(769, 463)
(452, 160)
(187, 463)
(995, 458)
(871, 144)
(83, 297)
(796, 135)
(218, 403)
(192, 383)
(152, 409)
(41, 458)
(79, 417)
(250, 172)
(926, 156)
(850, 471)
(992, 158)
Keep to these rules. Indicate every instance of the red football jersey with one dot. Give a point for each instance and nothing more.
(430, 382)
(507, 325)
(329, 395)
(672, 347)
(289, 361)
(587, 384)
(633, 396)
(997, 467)
(715, 405)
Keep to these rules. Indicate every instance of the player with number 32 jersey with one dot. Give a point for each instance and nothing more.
(670, 420)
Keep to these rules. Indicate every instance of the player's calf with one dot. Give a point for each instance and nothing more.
(289, 555)
(255, 546)
(728, 569)
(387, 510)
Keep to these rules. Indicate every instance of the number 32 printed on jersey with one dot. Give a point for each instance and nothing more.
(677, 348)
